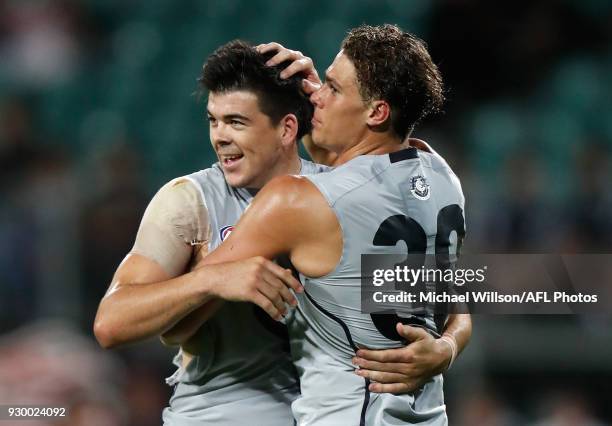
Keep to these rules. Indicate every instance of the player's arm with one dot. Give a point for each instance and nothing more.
(150, 294)
(289, 216)
(407, 369)
(187, 327)
(144, 301)
(149, 291)
(299, 63)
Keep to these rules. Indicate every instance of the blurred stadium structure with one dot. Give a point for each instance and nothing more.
(97, 112)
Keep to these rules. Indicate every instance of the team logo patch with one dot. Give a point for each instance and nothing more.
(225, 231)
(419, 187)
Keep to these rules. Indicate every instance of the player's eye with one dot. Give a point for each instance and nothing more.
(236, 123)
(332, 88)
(212, 120)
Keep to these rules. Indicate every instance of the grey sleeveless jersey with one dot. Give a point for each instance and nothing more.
(378, 201)
(243, 373)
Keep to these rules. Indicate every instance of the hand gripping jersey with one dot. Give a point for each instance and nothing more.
(379, 200)
(243, 373)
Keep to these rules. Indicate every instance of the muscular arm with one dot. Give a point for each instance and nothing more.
(143, 301)
(146, 299)
(186, 328)
(289, 217)
(149, 292)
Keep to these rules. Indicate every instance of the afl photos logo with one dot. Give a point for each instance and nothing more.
(419, 187)
(225, 231)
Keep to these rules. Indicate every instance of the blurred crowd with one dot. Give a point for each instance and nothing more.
(97, 112)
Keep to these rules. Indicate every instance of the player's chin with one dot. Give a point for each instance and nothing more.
(237, 179)
(317, 137)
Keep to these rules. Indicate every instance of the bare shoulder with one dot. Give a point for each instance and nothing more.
(292, 191)
(299, 206)
(308, 222)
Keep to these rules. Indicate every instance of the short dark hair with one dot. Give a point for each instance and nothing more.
(394, 66)
(238, 66)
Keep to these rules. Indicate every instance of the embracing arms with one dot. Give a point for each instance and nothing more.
(155, 287)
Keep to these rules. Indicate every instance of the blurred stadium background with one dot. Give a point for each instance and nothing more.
(97, 112)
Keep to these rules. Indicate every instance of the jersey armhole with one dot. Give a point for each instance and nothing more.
(337, 214)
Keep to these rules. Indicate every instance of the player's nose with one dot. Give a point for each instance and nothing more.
(315, 98)
(220, 136)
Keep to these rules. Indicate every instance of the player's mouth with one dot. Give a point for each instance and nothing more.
(231, 162)
(316, 120)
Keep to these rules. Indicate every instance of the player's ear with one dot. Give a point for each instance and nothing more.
(288, 128)
(378, 113)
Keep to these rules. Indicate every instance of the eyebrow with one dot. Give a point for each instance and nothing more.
(332, 80)
(228, 117)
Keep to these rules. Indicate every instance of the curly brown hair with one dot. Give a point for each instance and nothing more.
(394, 66)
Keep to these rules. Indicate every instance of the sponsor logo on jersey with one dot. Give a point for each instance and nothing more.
(225, 231)
(419, 187)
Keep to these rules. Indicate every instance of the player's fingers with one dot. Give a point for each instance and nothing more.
(273, 295)
(411, 334)
(379, 377)
(285, 276)
(280, 286)
(396, 388)
(268, 47)
(291, 282)
(309, 87)
(300, 65)
(264, 303)
(390, 367)
(284, 55)
(386, 355)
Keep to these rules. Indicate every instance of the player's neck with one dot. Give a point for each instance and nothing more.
(371, 144)
(290, 164)
(294, 164)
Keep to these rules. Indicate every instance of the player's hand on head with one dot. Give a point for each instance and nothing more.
(404, 370)
(259, 281)
(299, 63)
